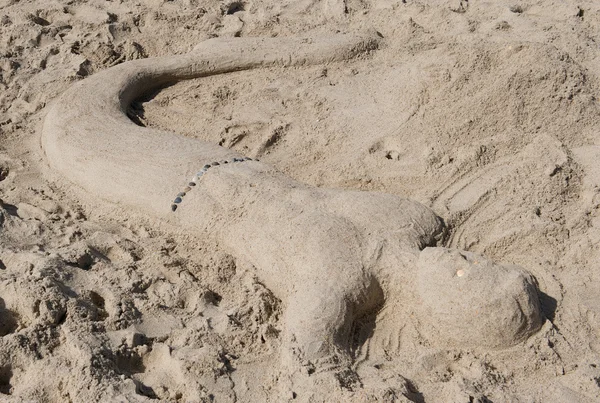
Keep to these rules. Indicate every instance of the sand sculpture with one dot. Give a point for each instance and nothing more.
(332, 256)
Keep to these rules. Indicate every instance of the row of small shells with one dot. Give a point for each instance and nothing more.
(199, 175)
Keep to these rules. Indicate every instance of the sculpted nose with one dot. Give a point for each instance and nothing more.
(468, 300)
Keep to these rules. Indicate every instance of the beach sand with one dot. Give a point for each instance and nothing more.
(487, 112)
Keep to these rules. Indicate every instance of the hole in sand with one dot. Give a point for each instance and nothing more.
(144, 390)
(517, 9)
(363, 326)
(212, 298)
(99, 303)
(97, 299)
(8, 320)
(4, 171)
(5, 376)
(392, 155)
(234, 7)
(36, 19)
(130, 363)
(85, 261)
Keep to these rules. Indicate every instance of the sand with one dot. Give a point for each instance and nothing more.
(302, 277)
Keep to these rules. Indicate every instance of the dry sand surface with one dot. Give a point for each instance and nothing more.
(305, 276)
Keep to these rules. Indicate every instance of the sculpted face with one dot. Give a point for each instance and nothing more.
(470, 301)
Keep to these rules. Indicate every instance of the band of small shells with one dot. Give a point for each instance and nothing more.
(199, 175)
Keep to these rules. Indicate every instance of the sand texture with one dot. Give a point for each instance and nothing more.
(418, 218)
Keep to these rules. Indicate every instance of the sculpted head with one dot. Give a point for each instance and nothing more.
(467, 300)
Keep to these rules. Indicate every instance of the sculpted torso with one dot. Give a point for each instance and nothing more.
(332, 256)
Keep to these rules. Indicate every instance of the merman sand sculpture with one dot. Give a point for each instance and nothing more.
(332, 256)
